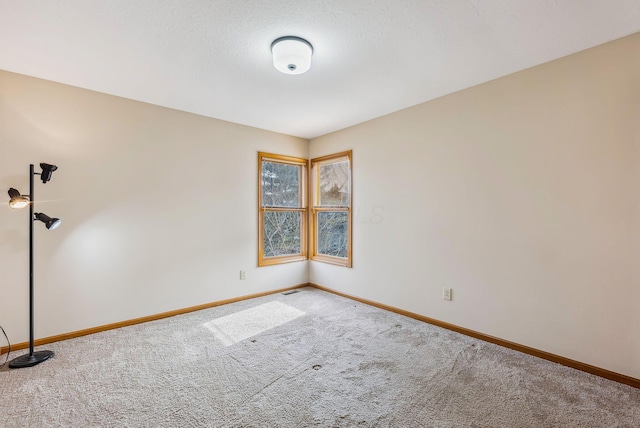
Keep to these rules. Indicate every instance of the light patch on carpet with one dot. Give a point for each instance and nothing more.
(242, 325)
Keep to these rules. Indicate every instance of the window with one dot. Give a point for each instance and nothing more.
(330, 239)
(282, 209)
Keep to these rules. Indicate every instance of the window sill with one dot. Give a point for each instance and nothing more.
(270, 261)
(337, 261)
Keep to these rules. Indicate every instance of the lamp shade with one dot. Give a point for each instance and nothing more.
(291, 55)
(17, 200)
(47, 170)
(50, 223)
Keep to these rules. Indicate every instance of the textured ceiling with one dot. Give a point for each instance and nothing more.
(371, 57)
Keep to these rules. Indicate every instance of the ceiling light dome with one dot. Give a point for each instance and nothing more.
(291, 55)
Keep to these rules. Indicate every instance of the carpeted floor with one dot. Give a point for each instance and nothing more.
(309, 359)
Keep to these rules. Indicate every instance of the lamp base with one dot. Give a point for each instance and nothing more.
(30, 360)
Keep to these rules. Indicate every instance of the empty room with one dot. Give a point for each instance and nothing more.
(320, 213)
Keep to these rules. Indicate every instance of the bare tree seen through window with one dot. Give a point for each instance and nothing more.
(334, 198)
(281, 190)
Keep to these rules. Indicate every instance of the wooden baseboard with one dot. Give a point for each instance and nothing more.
(93, 330)
(627, 380)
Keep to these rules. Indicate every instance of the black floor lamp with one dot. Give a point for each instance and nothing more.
(21, 201)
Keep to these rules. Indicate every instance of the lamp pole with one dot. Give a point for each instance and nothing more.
(32, 358)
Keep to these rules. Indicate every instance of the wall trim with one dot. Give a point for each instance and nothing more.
(607, 374)
(98, 329)
(598, 371)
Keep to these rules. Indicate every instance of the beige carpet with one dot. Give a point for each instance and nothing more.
(309, 359)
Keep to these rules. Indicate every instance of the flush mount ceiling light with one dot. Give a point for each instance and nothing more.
(291, 55)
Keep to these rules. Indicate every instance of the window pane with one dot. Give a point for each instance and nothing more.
(280, 185)
(282, 233)
(334, 184)
(332, 233)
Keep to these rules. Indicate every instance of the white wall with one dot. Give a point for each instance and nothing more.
(158, 208)
(522, 194)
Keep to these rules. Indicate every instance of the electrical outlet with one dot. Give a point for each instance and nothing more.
(446, 293)
(243, 274)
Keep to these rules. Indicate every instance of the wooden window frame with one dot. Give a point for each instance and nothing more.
(315, 209)
(303, 209)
